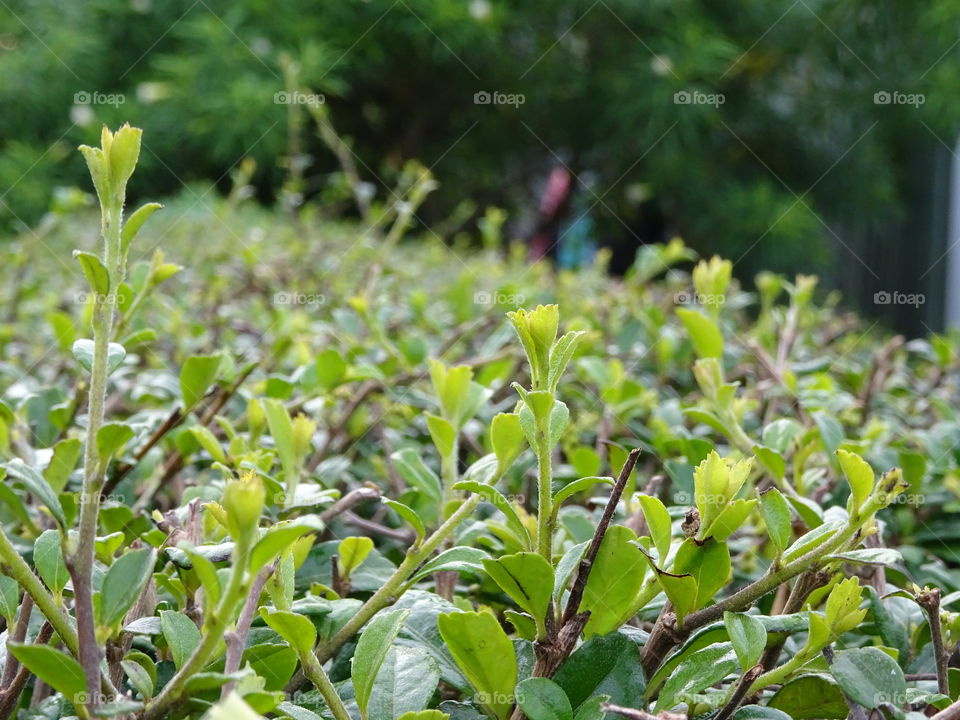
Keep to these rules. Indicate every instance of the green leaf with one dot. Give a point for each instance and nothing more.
(296, 629)
(681, 590)
(501, 503)
(614, 581)
(83, 350)
(111, 437)
(859, 475)
(281, 536)
(604, 665)
(659, 524)
(196, 376)
(701, 670)
(813, 539)
(442, 433)
(408, 515)
(281, 429)
(567, 566)
(810, 697)
(485, 654)
(372, 648)
(416, 474)
(870, 677)
(560, 355)
(208, 441)
(133, 224)
(831, 431)
(776, 515)
(57, 669)
(406, 682)
(461, 559)
(352, 551)
(331, 368)
(729, 520)
(9, 599)
(139, 678)
(181, 634)
(424, 715)
(706, 337)
(870, 556)
(759, 712)
(123, 584)
(748, 636)
(98, 278)
(48, 559)
(506, 438)
(527, 578)
(771, 460)
(66, 454)
(542, 699)
(38, 486)
(579, 485)
(708, 564)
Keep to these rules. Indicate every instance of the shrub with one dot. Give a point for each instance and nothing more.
(328, 474)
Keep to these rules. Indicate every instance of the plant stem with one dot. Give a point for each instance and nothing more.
(213, 632)
(315, 674)
(81, 563)
(395, 585)
(930, 602)
(544, 492)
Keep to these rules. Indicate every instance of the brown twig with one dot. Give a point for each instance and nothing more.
(739, 692)
(929, 600)
(237, 639)
(348, 501)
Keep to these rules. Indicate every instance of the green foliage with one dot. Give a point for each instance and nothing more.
(352, 514)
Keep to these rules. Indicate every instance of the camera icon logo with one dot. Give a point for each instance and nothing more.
(482, 98)
(881, 297)
(881, 97)
(282, 298)
(81, 98)
(681, 98)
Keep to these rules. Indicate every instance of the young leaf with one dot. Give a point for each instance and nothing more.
(281, 429)
(123, 583)
(57, 669)
(506, 438)
(296, 629)
(406, 682)
(48, 558)
(699, 671)
(372, 648)
(860, 476)
(133, 224)
(97, 276)
(352, 551)
(111, 437)
(181, 634)
(66, 453)
(708, 564)
(706, 337)
(748, 636)
(416, 474)
(408, 515)
(659, 524)
(485, 654)
(776, 515)
(197, 374)
(83, 352)
(579, 485)
(542, 699)
(527, 578)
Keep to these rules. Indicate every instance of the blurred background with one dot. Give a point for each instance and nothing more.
(812, 136)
